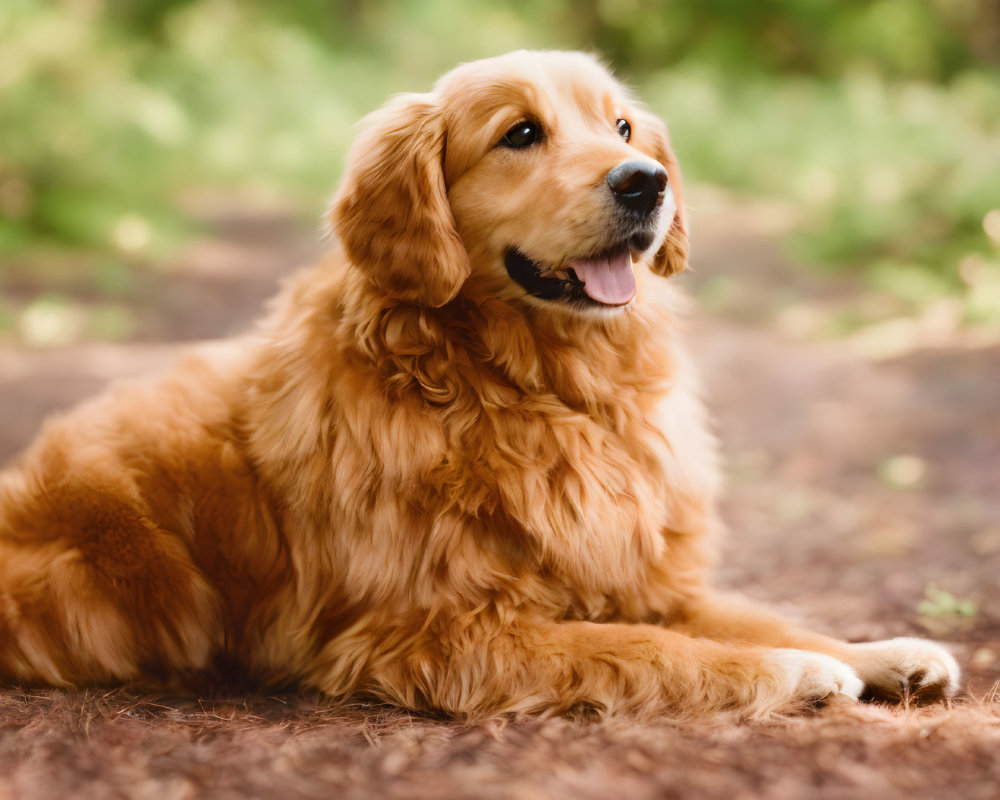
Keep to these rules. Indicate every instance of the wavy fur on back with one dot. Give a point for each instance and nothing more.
(415, 480)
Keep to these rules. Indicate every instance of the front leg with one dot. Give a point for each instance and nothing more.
(479, 670)
(890, 669)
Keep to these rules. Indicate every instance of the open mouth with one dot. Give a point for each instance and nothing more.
(605, 279)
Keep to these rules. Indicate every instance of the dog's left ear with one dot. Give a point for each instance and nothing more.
(392, 213)
(673, 254)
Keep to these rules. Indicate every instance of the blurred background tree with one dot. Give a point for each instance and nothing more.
(876, 122)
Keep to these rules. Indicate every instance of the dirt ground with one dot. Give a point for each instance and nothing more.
(862, 499)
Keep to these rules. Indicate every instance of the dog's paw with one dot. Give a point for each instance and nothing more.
(905, 667)
(813, 677)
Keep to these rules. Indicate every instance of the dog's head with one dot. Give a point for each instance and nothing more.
(531, 176)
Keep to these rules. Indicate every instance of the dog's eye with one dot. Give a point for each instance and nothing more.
(624, 129)
(524, 134)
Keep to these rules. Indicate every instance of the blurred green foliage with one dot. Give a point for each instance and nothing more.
(939, 603)
(878, 119)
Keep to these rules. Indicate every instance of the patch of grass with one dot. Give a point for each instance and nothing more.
(940, 603)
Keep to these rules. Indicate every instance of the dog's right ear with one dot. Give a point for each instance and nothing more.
(392, 213)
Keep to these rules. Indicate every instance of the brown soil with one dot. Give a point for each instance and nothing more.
(809, 432)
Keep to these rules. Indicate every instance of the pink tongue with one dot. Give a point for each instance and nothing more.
(608, 279)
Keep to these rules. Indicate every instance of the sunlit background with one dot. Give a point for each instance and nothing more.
(869, 132)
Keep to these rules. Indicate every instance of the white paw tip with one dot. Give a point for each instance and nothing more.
(908, 663)
(815, 676)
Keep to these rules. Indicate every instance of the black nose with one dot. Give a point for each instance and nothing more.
(638, 185)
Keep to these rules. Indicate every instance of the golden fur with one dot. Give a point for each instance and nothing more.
(415, 481)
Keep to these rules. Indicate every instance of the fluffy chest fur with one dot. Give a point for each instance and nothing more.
(466, 458)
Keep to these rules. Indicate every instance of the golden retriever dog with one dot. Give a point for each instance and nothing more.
(461, 466)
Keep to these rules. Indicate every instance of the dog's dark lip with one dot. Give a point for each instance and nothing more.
(532, 277)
